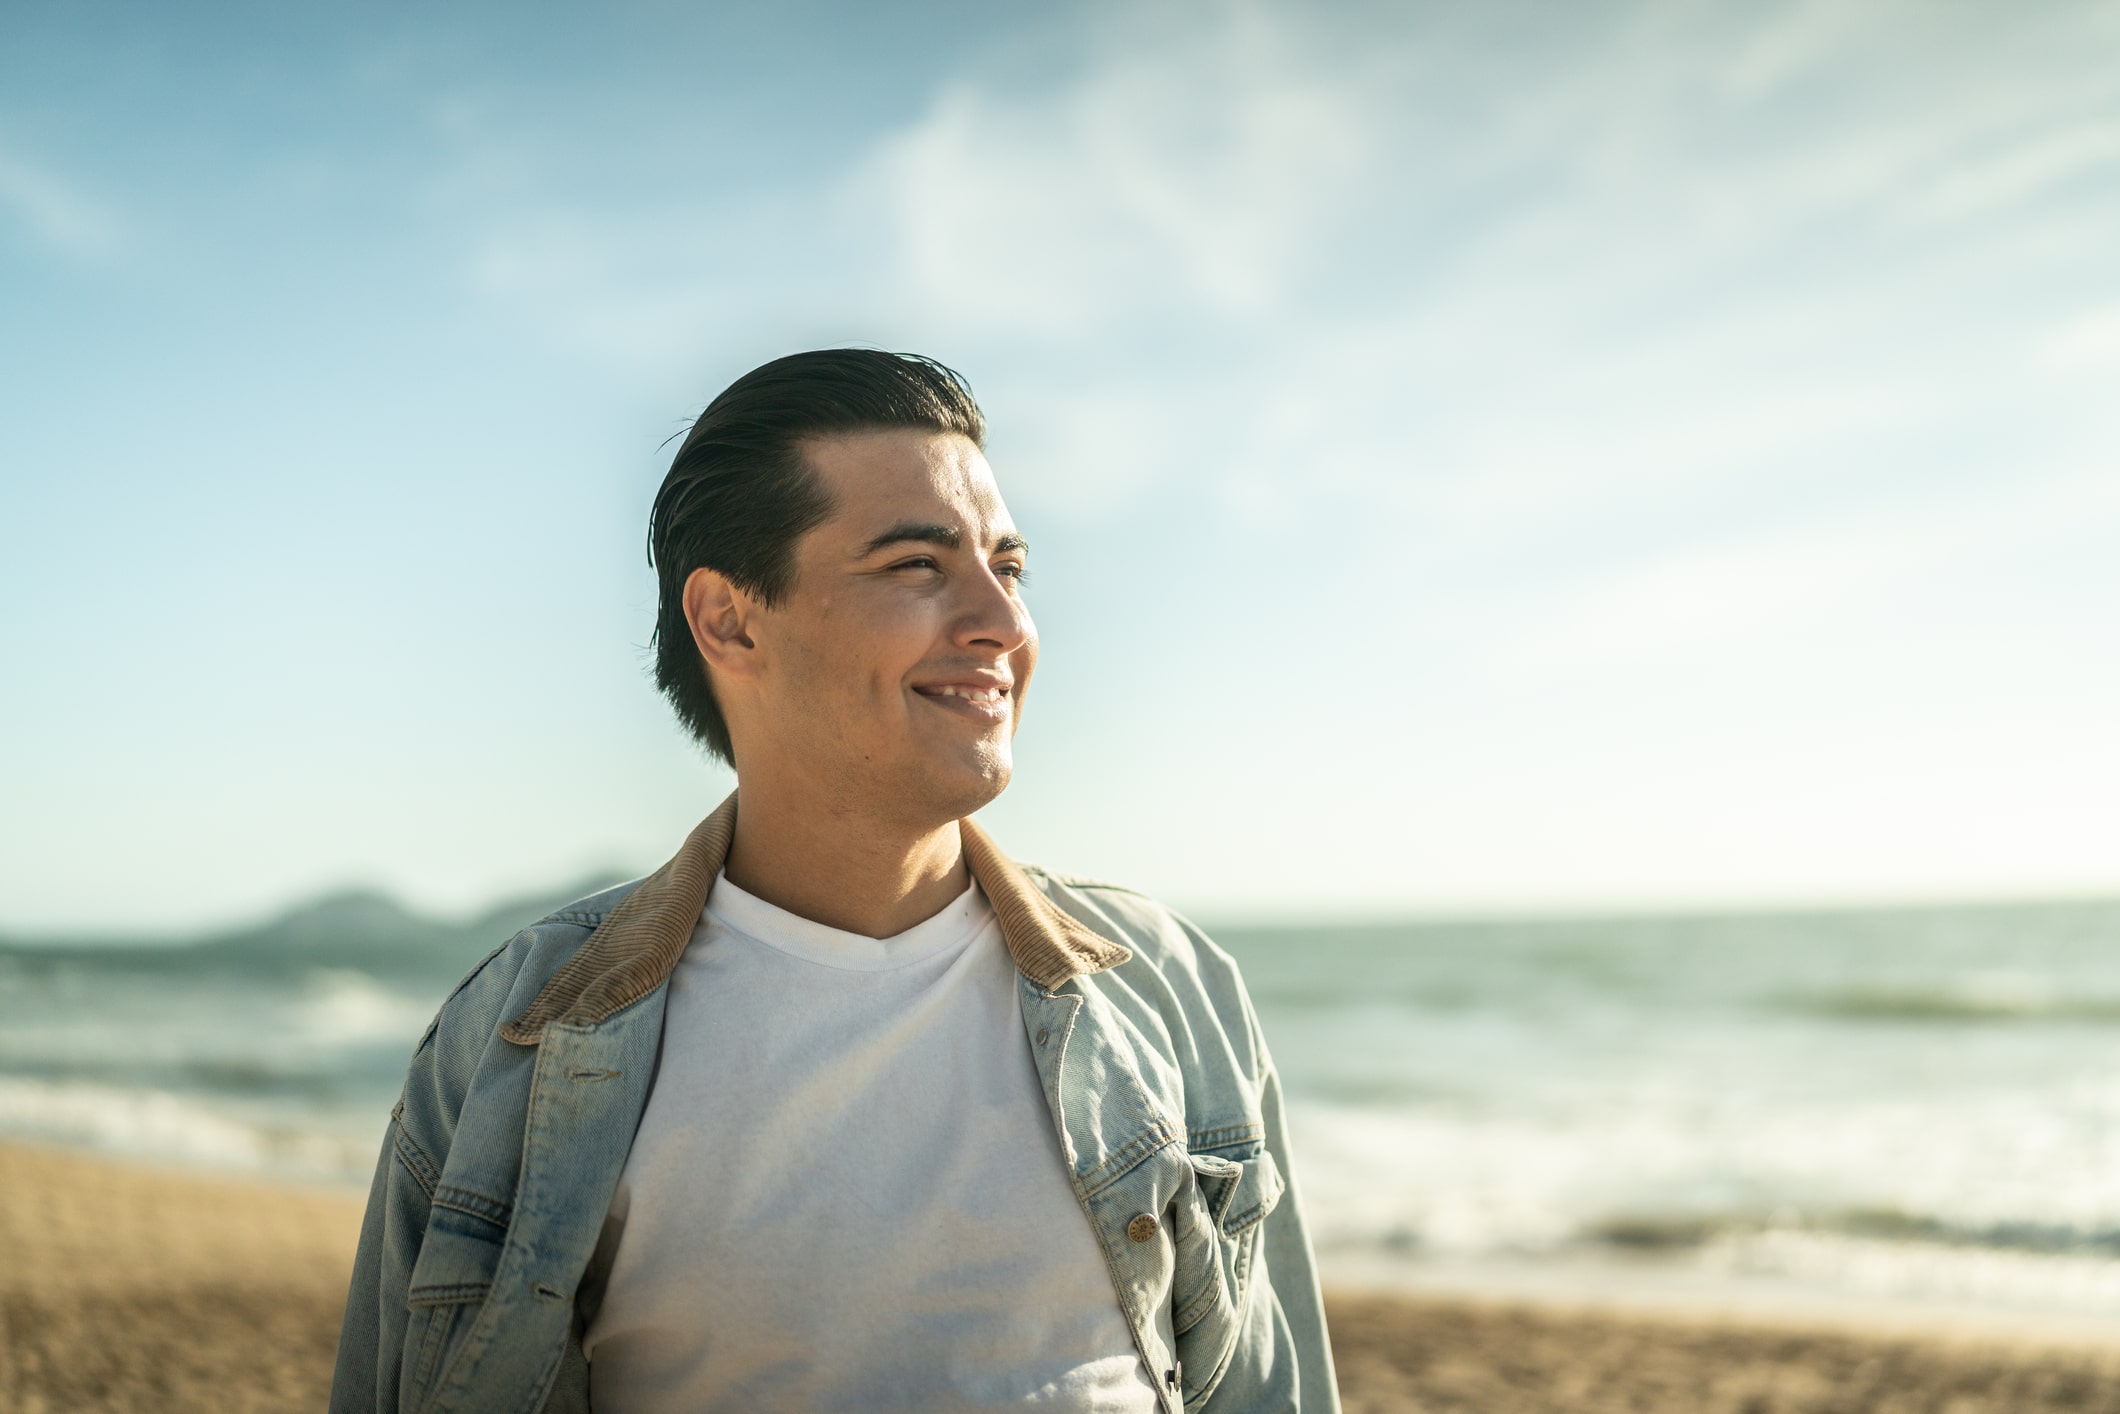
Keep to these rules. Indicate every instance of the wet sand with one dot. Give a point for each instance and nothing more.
(126, 1288)
(1444, 1356)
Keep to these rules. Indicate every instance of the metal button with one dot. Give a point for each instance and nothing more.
(1142, 1228)
(1042, 1033)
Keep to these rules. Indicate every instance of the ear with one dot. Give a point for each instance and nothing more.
(720, 615)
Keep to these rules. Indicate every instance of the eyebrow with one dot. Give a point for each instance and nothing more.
(926, 533)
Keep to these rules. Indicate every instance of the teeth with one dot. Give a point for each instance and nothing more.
(988, 695)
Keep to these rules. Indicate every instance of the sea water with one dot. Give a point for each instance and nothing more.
(1919, 1104)
(1909, 1104)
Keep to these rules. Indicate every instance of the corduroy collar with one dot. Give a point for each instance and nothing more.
(633, 950)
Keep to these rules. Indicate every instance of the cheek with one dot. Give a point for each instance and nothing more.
(830, 668)
(869, 651)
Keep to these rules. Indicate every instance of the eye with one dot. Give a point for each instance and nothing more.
(1013, 571)
(918, 562)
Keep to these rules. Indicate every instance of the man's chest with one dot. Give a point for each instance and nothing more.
(848, 1186)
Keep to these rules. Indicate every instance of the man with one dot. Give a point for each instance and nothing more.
(841, 1108)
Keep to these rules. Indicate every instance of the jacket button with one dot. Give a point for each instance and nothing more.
(1141, 1229)
(1041, 1035)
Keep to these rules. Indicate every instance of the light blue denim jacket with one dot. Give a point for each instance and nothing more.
(479, 1259)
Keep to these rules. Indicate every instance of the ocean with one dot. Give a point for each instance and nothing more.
(1909, 1104)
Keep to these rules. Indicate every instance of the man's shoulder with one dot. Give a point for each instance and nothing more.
(464, 1036)
(1178, 988)
(590, 909)
(1161, 939)
(503, 982)
(1128, 909)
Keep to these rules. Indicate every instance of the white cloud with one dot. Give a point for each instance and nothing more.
(2088, 343)
(1655, 249)
(1189, 171)
(56, 211)
(2027, 166)
(1477, 269)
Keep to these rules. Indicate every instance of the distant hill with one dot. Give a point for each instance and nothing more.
(354, 916)
(359, 928)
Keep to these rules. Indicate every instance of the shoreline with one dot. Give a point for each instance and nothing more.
(226, 1292)
(1642, 1290)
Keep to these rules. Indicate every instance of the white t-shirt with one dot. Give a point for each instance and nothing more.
(847, 1192)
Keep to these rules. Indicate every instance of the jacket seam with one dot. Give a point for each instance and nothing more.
(1183, 1322)
(433, 1328)
(1240, 1298)
(533, 1114)
(478, 1205)
(414, 1158)
(1223, 1135)
(1270, 1191)
(453, 1294)
(1119, 1272)
(1074, 881)
(435, 1026)
(1130, 1156)
(1238, 1224)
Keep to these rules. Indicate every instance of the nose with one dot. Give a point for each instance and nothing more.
(992, 618)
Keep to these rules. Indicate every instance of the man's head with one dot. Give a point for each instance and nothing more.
(840, 585)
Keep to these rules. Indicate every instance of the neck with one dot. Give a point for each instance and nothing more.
(864, 876)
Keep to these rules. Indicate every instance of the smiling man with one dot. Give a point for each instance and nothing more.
(841, 1108)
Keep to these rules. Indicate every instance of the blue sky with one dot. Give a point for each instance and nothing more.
(1514, 456)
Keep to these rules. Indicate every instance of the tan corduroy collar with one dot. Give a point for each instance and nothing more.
(633, 949)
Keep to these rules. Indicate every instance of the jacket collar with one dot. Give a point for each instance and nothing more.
(633, 950)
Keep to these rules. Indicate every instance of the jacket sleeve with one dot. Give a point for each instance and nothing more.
(372, 1335)
(1292, 1269)
(1290, 1356)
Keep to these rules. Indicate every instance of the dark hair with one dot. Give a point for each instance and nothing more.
(739, 494)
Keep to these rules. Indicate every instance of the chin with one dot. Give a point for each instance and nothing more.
(978, 790)
(965, 785)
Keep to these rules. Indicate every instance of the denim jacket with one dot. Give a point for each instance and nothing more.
(473, 1284)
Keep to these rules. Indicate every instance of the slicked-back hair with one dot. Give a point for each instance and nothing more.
(739, 494)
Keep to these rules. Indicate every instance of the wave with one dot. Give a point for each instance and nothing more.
(1665, 1232)
(1975, 1001)
(2073, 1281)
(303, 1140)
(1858, 1252)
(1678, 1234)
(343, 1006)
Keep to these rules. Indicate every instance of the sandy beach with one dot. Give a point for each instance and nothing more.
(126, 1288)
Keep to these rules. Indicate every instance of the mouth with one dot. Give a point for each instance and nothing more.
(980, 702)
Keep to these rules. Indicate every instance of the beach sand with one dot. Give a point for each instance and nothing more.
(125, 1288)
(135, 1289)
(1446, 1357)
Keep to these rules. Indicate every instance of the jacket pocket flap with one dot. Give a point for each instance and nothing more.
(1252, 1196)
(1238, 1193)
(452, 1266)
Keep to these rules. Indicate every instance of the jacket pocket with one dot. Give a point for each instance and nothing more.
(1217, 1242)
(451, 1279)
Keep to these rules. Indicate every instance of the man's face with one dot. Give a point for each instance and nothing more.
(892, 674)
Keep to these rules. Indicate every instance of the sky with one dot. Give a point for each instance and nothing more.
(1478, 458)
